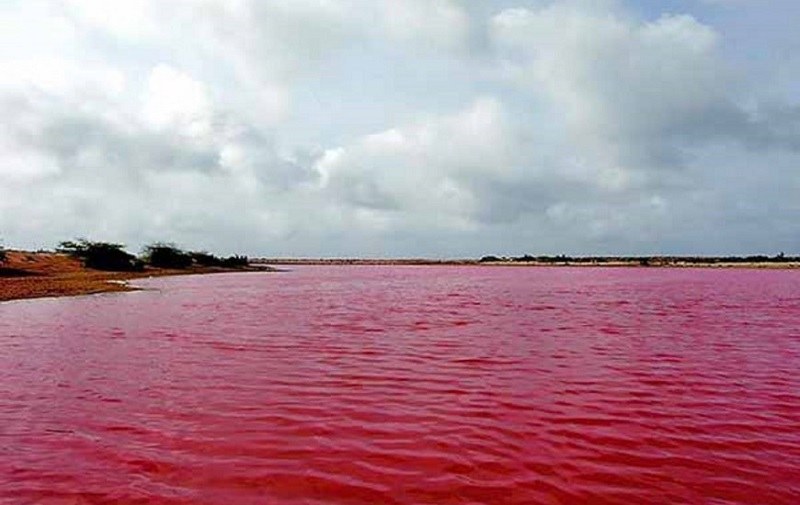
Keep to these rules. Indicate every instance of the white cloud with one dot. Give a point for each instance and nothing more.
(243, 125)
(175, 101)
(622, 85)
(423, 172)
(442, 23)
(131, 19)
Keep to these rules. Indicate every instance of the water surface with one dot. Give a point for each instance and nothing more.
(364, 385)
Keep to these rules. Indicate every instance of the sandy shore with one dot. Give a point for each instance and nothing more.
(41, 274)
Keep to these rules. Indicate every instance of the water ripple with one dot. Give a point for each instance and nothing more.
(408, 385)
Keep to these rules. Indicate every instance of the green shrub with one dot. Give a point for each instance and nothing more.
(101, 255)
(235, 261)
(162, 255)
(205, 259)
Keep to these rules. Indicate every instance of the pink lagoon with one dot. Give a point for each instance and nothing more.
(408, 385)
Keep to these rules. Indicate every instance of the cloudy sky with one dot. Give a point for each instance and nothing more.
(439, 128)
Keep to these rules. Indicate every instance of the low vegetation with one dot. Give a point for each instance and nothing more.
(161, 255)
(641, 260)
(205, 259)
(102, 255)
(113, 257)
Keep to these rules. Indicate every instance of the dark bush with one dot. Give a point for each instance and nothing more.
(102, 255)
(162, 255)
(489, 259)
(235, 261)
(205, 259)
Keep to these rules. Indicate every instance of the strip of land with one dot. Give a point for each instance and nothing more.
(556, 261)
(26, 274)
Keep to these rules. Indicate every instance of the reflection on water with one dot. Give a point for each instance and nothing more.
(408, 385)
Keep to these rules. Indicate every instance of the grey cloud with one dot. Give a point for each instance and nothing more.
(85, 143)
(774, 126)
(570, 126)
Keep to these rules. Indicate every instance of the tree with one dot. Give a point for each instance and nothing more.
(101, 255)
(205, 259)
(235, 261)
(164, 255)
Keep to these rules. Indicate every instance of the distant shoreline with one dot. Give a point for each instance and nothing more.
(643, 262)
(26, 275)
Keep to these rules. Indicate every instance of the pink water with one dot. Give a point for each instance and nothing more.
(370, 385)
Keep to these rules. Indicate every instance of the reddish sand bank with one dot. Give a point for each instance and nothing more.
(38, 274)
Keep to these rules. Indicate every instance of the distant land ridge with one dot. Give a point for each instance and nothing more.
(777, 261)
